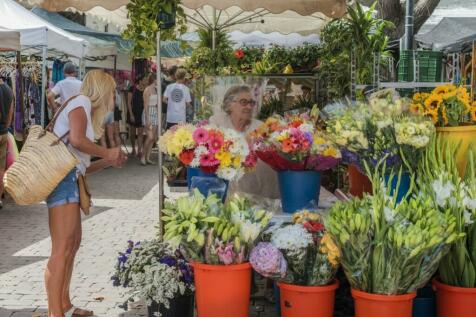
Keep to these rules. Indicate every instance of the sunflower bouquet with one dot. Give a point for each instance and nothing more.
(301, 253)
(294, 143)
(389, 248)
(212, 149)
(446, 105)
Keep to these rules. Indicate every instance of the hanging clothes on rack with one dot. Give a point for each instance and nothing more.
(58, 74)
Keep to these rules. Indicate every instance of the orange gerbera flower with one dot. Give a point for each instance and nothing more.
(287, 146)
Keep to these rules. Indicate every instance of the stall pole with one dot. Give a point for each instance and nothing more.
(159, 132)
(115, 66)
(43, 84)
(473, 71)
(409, 25)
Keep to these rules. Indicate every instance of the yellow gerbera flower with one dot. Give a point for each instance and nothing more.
(433, 102)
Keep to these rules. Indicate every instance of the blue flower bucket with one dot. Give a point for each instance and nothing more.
(424, 305)
(299, 189)
(206, 183)
(404, 185)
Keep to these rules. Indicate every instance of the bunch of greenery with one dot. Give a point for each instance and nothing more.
(144, 24)
(389, 248)
(455, 197)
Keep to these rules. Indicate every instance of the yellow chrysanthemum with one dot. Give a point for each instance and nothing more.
(330, 151)
(330, 248)
(433, 102)
(237, 161)
(305, 215)
(224, 157)
(319, 140)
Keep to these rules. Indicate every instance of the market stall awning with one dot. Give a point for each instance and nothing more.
(34, 31)
(297, 16)
(450, 35)
(331, 8)
(9, 40)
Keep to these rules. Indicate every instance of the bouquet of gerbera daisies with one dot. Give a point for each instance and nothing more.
(294, 143)
(212, 149)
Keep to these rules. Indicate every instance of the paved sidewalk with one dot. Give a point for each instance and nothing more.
(125, 208)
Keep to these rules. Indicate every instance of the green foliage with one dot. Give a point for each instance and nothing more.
(206, 38)
(303, 103)
(270, 107)
(360, 32)
(144, 24)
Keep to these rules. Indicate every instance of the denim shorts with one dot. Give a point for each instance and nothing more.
(67, 191)
(109, 119)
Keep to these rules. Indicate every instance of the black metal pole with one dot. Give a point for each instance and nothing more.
(409, 25)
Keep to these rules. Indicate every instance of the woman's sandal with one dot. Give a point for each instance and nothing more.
(72, 312)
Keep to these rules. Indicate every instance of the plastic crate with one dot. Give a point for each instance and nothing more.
(430, 65)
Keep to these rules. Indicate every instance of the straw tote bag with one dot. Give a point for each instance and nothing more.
(43, 163)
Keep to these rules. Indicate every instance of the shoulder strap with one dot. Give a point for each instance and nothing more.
(52, 123)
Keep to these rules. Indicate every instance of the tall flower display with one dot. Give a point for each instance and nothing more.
(383, 128)
(212, 149)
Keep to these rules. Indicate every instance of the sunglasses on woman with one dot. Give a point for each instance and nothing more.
(245, 102)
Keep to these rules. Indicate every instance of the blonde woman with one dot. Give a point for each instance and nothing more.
(83, 118)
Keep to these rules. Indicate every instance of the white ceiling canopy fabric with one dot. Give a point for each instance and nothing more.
(304, 17)
(331, 8)
(35, 31)
(9, 40)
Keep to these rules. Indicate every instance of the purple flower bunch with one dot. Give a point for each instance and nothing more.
(268, 261)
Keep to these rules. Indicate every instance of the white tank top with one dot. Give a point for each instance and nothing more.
(153, 101)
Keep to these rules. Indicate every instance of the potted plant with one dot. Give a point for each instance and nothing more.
(209, 152)
(217, 238)
(456, 284)
(389, 250)
(295, 148)
(383, 128)
(153, 271)
(454, 115)
(304, 259)
(174, 172)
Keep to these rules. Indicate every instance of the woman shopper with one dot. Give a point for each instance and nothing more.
(150, 119)
(135, 109)
(83, 117)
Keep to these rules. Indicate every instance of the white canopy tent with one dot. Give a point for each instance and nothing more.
(9, 40)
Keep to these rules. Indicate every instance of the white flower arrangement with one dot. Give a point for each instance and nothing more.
(291, 237)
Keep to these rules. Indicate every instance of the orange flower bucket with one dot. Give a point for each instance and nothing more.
(464, 134)
(377, 305)
(452, 301)
(307, 301)
(222, 290)
(358, 183)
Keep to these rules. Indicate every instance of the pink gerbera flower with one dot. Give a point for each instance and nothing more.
(208, 159)
(200, 135)
(215, 141)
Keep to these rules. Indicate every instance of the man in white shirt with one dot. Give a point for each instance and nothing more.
(177, 97)
(66, 88)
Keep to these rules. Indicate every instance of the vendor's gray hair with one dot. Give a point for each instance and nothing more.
(231, 94)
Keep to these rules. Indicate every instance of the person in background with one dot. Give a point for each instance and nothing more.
(135, 108)
(177, 97)
(116, 135)
(6, 115)
(83, 117)
(238, 108)
(151, 119)
(66, 88)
